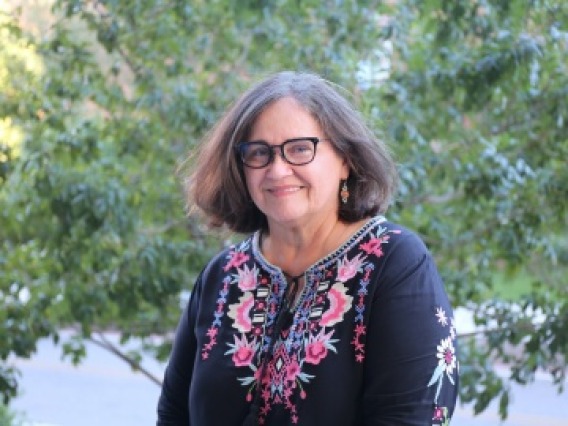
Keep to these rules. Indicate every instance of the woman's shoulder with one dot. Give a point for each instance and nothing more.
(232, 255)
(401, 257)
(403, 236)
(390, 243)
(394, 235)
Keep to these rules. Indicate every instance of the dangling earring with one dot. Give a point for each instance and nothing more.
(344, 194)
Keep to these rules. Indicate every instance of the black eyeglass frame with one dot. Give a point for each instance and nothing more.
(239, 148)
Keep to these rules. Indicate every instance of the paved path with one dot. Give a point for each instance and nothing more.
(538, 404)
(103, 391)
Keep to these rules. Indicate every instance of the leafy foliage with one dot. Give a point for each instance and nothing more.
(9, 418)
(471, 94)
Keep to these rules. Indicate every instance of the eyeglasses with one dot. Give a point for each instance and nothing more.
(259, 154)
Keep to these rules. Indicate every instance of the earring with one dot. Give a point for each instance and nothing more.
(344, 194)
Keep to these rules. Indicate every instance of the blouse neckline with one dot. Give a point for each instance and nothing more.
(356, 236)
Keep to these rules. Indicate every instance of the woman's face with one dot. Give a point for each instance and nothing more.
(290, 195)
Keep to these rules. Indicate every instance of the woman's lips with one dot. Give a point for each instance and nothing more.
(284, 190)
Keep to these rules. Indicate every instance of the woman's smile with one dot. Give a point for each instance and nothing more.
(284, 190)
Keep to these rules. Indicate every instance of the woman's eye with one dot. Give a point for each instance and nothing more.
(299, 149)
(258, 152)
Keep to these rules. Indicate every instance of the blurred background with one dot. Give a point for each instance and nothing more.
(101, 102)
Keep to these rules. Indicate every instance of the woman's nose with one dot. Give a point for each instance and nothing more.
(278, 166)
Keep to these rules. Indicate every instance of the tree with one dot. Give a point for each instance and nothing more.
(478, 107)
(471, 95)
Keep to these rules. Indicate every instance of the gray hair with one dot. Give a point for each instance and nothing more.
(220, 191)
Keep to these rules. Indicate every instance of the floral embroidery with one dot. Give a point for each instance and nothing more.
(236, 258)
(284, 377)
(447, 362)
(360, 330)
(219, 312)
(347, 269)
(240, 313)
(373, 246)
(447, 357)
(243, 351)
(246, 278)
(440, 416)
(441, 314)
(339, 304)
(317, 346)
(453, 332)
(334, 288)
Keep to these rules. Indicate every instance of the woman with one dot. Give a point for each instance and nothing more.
(327, 314)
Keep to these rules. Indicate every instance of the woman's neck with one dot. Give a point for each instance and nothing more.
(295, 250)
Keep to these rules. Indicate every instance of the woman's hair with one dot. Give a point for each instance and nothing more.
(217, 185)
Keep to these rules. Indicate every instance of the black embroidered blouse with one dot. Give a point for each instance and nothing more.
(370, 341)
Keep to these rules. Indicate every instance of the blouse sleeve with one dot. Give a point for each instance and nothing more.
(411, 369)
(173, 408)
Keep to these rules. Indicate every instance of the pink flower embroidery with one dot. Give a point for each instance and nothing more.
(236, 259)
(242, 350)
(440, 416)
(447, 356)
(292, 370)
(247, 278)
(240, 313)
(446, 364)
(317, 346)
(373, 246)
(347, 269)
(339, 304)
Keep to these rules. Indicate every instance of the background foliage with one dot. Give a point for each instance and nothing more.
(100, 103)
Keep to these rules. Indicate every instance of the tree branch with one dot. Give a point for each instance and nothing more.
(106, 344)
